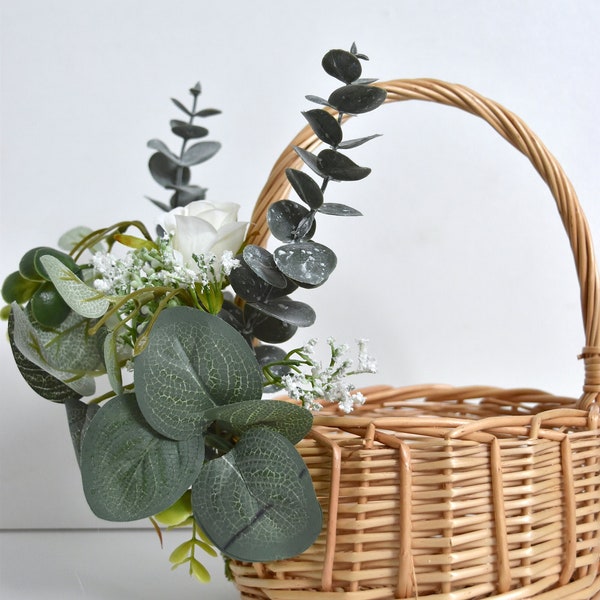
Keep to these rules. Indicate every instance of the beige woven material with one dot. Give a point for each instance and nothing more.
(449, 493)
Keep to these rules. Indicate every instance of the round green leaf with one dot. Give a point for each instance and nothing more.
(325, 126)
(340, 167)
(18, 289)
(288, 310)
(166, 172)
(306, 187)
(342, 65)
(306, 262)
(257, 502)
(284, 218)
(193, 361)
(268, 329)
(32, 268)
(187, 131)
(199, 153)
(261, 262)
(357, 99)
(129, 471)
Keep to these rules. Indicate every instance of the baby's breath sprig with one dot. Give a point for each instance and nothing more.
(307, 380)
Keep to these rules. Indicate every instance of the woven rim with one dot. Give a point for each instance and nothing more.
(517, 133)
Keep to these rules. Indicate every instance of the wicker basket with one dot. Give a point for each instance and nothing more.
(452, 493)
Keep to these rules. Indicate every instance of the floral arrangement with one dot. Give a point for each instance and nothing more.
(185, 435)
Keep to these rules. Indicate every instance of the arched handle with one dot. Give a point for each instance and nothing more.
(517, 133)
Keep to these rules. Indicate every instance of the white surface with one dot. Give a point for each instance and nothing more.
(459, 272)
(101, 565)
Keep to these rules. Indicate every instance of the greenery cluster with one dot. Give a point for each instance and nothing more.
(191, 441)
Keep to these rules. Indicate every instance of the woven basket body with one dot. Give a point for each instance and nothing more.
(452, 493)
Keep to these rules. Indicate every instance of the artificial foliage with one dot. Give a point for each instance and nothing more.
(185, 436)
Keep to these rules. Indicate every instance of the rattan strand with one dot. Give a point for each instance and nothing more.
(446, 493)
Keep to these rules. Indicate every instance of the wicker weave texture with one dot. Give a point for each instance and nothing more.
(452, 493)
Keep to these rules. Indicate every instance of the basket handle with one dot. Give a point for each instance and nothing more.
(517, 133)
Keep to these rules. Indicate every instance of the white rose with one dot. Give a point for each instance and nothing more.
(205, 228)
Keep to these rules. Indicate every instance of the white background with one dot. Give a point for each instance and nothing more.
(459, 272)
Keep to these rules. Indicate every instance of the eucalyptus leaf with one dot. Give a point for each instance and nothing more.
(159, 204)
(166, 172)
(187, 131)
(357, 142)
(199, 153)
(83, 299)
(284, 218)
(340, 167)
(339, 210)
(257, 502)
(268, 329)
(111, 362)
(71, 238)
(39, 380)
(342, 65)
(18, 289)
(317, 100)
(357, 99)
(31, 267)
(129, 471)
(164, 150)
(192, 362)
(27, 341)
(79, 416)
(306, 187)
(307, 262)
(288, 310)
(261, 262)
(184, 194)
(290, 420)
(181, 106)
(325, 126)
(311, 160)
(250, 286)
(207, 112)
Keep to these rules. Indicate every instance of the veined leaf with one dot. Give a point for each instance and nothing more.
(79, 416)
(27, 341)
(193, 361)
(129, 471)
(257, 502)
(83, 299)
(291, 421)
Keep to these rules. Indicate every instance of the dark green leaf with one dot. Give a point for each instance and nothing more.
(357, 142)
(79, 416)
(257, 503)
(186, 194)
(159, 204)
(187, 131)
(342, 65)
(317, 100)
(164, 150)
(192, 362)
(268, 329)
(41, 382)
(290, 420)
(129, 471)
(261, 262)
(196, 90)
(207, 112)
(340, 167)
(288, 310)
(18, 289)
(284, 218)
(250, 286)
(181, 106)
(357, 99)
(166, 172)
(325, 126)
(306, 187)
(199, 153)
(339, 210)
(310, 159)
(32, 268)
(306, 262)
